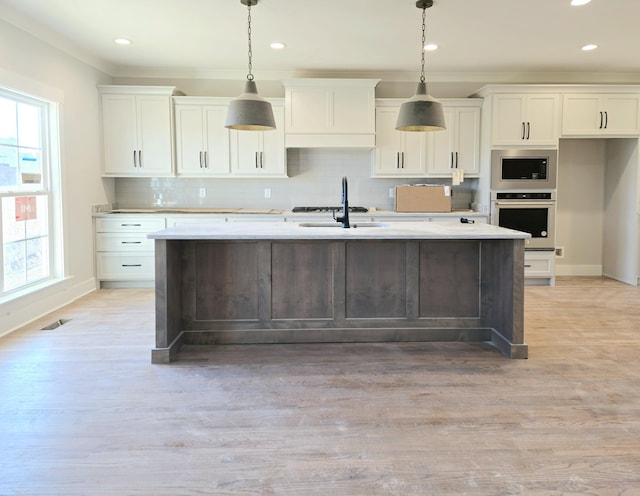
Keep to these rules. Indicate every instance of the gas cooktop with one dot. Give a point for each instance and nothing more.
(329, 209)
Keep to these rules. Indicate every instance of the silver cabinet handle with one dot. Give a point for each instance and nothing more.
(403, 160)
(606, 119)
(523, 131)
(256, 160)
(206, 159)
(261, 160)
(601, 120)
(132, 265)
(131, 242)
(528, 130)
(456, 160)
(397, 160)
(451, 166)
(140, 158)
(130, 225)
(200, 156)
(135, 163)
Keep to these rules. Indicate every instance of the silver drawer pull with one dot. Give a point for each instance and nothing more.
(527, 266)
(131, 242)
(132, 265)
(130, 225)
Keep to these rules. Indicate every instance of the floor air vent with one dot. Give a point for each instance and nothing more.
(55, 325)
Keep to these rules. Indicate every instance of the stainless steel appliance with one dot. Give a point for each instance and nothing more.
(532, 212)
(524, 169)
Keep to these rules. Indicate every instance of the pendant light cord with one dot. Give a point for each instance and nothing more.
(424, 39)
(250, 53)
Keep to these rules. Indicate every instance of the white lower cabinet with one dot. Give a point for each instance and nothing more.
(539, 266)
(123, 251)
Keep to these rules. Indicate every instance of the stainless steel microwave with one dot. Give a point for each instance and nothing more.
(524, 169)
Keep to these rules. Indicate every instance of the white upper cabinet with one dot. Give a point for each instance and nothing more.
(202, 141)
(398, 153)
(601, 115)
(137, 130)
(525, 119)
(260, 153)
(457, 147)
(330, 113)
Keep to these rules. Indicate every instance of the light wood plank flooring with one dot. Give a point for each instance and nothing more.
(83, 411)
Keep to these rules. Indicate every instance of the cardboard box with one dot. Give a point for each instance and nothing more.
(423, 198)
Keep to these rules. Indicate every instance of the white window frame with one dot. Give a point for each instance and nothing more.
(50, 101)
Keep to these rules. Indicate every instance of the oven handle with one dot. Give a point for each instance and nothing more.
(525, 203)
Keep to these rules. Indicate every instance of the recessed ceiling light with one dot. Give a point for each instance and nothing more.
(579, 2)
(431, 47)
(122, 41)
(276, 45)
(588, 48)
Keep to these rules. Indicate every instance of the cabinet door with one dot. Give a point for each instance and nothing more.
(216, 160)
(601, 115)
(459, 145)
(542, 120)
(508, 126)
(580, 115)
(189, 139)
(467, 145)
(155, 151)
(443, 148)
(621, 115)
(398, 153)
(119, 133)
(274, 158)
(260, 153)
(528, 120)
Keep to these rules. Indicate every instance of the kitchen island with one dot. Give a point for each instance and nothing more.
(317, 282)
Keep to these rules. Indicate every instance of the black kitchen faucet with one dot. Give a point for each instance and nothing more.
(345, 206)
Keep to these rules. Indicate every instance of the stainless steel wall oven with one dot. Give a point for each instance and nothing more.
(532, 212)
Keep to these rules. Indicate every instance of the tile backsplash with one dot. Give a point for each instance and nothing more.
(314, 179)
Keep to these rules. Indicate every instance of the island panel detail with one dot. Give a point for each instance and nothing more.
(220, 291)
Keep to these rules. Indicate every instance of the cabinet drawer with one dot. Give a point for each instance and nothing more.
(125, 267)
(142, 225)
(539, 264)
(122, 242)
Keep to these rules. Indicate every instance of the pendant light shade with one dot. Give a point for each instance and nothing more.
(421, 112)
(249, 111)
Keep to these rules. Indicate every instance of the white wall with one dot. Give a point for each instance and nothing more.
(26, 57)
(597, 222)
(579, 216)
(620, 254)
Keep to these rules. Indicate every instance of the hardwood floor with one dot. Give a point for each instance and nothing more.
(83, 411)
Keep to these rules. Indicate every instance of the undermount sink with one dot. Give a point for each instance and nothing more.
(337, 224)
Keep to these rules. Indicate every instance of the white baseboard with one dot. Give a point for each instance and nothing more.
(22, 310)
(578, 270)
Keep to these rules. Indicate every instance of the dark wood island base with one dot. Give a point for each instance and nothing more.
(244, 291)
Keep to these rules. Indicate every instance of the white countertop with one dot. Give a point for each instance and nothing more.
(292, 230)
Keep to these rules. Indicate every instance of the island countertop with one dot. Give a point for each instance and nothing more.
(333, 231)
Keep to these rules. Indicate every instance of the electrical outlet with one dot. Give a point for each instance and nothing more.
(203, 192)
(560, 252)
(267, 192)
(392, 192)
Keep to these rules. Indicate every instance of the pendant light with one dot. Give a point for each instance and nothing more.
(249, 111)
(421, 112)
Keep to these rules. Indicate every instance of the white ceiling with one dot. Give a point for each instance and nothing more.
(186, 38)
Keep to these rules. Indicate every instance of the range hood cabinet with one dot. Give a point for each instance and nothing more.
(330, 113)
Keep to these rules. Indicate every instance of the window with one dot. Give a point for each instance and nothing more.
(26, 198)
